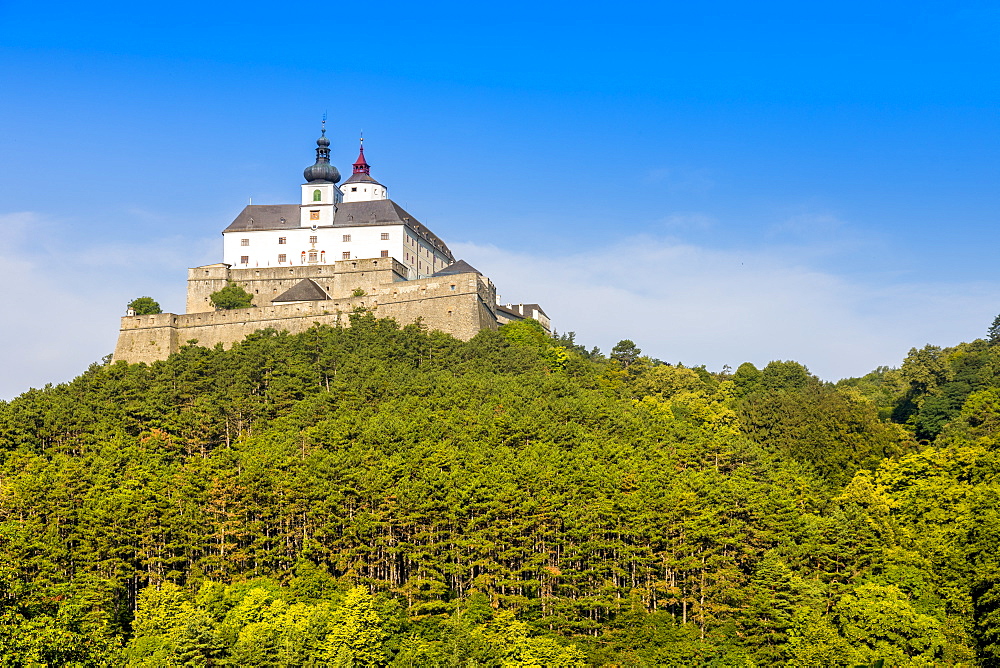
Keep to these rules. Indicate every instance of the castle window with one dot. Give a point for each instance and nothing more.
(347, 237)
(314, 215)
(346, 255)
(282, 257)
(354, 189)
(244, 259)
(303, 259)
(322, 256)
(282, 240)
(244, 242)
(313, 240)
(385, 236)
(385, 253)
(312, 256)
(453, 287)
(317, 196)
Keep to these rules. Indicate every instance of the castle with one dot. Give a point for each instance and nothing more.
(342, 248)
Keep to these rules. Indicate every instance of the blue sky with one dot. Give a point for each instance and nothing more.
(720, 182)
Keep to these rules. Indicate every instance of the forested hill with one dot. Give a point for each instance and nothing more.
(375, 496)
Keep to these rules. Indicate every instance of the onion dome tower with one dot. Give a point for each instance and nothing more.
(322, 171)
(361, 187)
(320, 194)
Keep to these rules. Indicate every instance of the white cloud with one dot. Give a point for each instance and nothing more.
(62, 303)
(679, 302)
(687, 303)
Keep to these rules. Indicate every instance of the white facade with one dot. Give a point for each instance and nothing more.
(364, 191)
(313, 238)
(319, 204)
(296, 246)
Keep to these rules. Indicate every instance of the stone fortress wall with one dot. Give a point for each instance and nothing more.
(458, 304)
(339, 279)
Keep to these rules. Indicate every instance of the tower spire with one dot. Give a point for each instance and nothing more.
(322, 170)
(362, 166)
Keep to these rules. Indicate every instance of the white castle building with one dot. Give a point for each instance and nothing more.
(340, 249)
(353, 221)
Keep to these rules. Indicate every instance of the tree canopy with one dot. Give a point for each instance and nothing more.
(230, 297)
(382, 496)
(145, 306)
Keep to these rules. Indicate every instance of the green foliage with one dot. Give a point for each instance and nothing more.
(530, 333)
(358, 292)
(625, 353)
(231, 297)
(835, 432)
(145, 306)
(880, 623)
(377, 495)
(746, 379)
(993, 333)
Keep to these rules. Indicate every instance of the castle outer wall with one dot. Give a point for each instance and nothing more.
(459, 304)
(339, 279)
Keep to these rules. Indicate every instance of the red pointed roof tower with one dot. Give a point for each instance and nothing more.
(362, 166)
(362, 170)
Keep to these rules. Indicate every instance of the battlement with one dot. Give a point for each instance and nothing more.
(458, 304)
(339, 279)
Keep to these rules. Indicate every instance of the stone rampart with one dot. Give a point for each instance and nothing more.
(460, 305)
(339, 279)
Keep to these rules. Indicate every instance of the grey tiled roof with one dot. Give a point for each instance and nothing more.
(514, 314)
(349, 214)
(361, 177)
(460, 267)
(265, 217)
(522, 310)
(306, 290)
(528, 308)
(385, 212)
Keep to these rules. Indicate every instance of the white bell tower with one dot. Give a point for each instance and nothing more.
(320, 194)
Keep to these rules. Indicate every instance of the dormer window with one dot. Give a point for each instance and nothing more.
(317, 195)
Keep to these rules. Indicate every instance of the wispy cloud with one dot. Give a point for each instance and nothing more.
(699, 305)
(62, 305)
(678, 301)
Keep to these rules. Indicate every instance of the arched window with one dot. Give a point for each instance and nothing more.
(317, 196)
(322, 256)
(303, 257)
